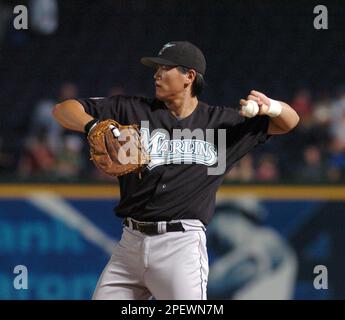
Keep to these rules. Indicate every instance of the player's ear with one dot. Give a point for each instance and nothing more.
(190, 75)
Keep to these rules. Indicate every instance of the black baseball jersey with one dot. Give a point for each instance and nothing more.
(176, 184)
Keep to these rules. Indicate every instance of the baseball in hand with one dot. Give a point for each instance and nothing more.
(251, 109)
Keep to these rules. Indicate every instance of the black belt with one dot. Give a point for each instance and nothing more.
(153, 228)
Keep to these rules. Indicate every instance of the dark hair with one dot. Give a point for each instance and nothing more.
(198, 83)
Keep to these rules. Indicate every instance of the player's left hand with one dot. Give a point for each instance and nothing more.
(261, 99)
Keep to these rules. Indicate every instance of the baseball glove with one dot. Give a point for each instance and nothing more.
(116, 149)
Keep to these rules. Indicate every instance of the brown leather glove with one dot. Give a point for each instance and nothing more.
(117, 149)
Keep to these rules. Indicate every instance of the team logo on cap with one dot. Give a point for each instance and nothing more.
(166, 46)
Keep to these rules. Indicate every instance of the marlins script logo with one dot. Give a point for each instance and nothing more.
(162, 150)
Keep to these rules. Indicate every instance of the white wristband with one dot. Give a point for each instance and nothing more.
(275, 108)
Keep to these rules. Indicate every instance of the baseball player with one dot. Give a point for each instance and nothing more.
(165, 211)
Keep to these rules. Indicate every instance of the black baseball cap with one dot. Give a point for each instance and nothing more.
(178, 53)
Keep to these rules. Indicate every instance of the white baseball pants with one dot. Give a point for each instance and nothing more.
(168, 266)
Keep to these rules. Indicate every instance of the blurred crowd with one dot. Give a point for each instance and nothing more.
(53, 153)
(314, 152)
(61, 44)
